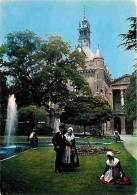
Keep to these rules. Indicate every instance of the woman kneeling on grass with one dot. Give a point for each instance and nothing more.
(113, 173)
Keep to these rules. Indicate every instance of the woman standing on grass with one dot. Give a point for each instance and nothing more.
(70, 157)
(33, 140)
(113, 173)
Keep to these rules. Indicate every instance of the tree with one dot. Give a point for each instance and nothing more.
(130, 38)
(22, 50)
(60, 70)
(129, 107)
(4, 94)
(86, 111)
(23, 93)
(41, 69)
(33, 115)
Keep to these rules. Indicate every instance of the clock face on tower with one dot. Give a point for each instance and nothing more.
(84, 32)
(84, 42)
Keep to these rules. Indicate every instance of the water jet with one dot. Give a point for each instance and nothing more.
(11, 120)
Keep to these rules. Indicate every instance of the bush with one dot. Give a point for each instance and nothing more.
(44, 130)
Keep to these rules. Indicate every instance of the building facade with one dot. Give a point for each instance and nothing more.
(97, 74)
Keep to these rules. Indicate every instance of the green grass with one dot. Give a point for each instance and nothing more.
(32, 172)
(24, 139)
(94, 139)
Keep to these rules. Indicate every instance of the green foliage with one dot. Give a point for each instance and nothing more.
(2, 52)
(32, 111)
(32, 114)
(4, 94)
(56, 50)
(130, 99)
(130, 38)
(41, 69)
(77, 58)
(23, 93)
(22, 50)
(86, 111)
(59, 69)
(130, 94)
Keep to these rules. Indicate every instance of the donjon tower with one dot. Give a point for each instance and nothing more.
(97, 74)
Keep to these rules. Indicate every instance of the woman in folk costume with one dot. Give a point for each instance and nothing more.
(70, 156)
(113, 173)
(116, 136)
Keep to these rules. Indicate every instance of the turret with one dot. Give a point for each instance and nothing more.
(99, 59)
(98, 54)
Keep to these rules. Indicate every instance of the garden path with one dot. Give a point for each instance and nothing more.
(130, 143)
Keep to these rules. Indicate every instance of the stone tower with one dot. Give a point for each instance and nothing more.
(95, 72)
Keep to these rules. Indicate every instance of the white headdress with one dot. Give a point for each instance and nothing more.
(70, 129)
(110, 153)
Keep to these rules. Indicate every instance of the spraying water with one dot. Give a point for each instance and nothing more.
(11, 121)
(56, 125)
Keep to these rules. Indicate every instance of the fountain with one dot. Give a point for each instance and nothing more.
(56, 125)
(11, 121)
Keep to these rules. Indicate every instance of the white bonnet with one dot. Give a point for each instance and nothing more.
(110, 153)
(70, 129)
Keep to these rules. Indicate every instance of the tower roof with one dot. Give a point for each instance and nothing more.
(84, 32)
(84, 20)
(88, 53)
(98, 53)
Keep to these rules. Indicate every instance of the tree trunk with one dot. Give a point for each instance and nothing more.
(84, 130)
(106, 127)
(103, 131)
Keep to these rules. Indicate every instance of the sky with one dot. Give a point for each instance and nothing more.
(107, 18)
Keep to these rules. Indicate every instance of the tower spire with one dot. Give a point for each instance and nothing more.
(84, 12)
(84, 18)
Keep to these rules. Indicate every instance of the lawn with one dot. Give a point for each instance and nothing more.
(32, 172)
(24, 139)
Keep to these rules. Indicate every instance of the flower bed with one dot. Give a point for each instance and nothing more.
(94, 150)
